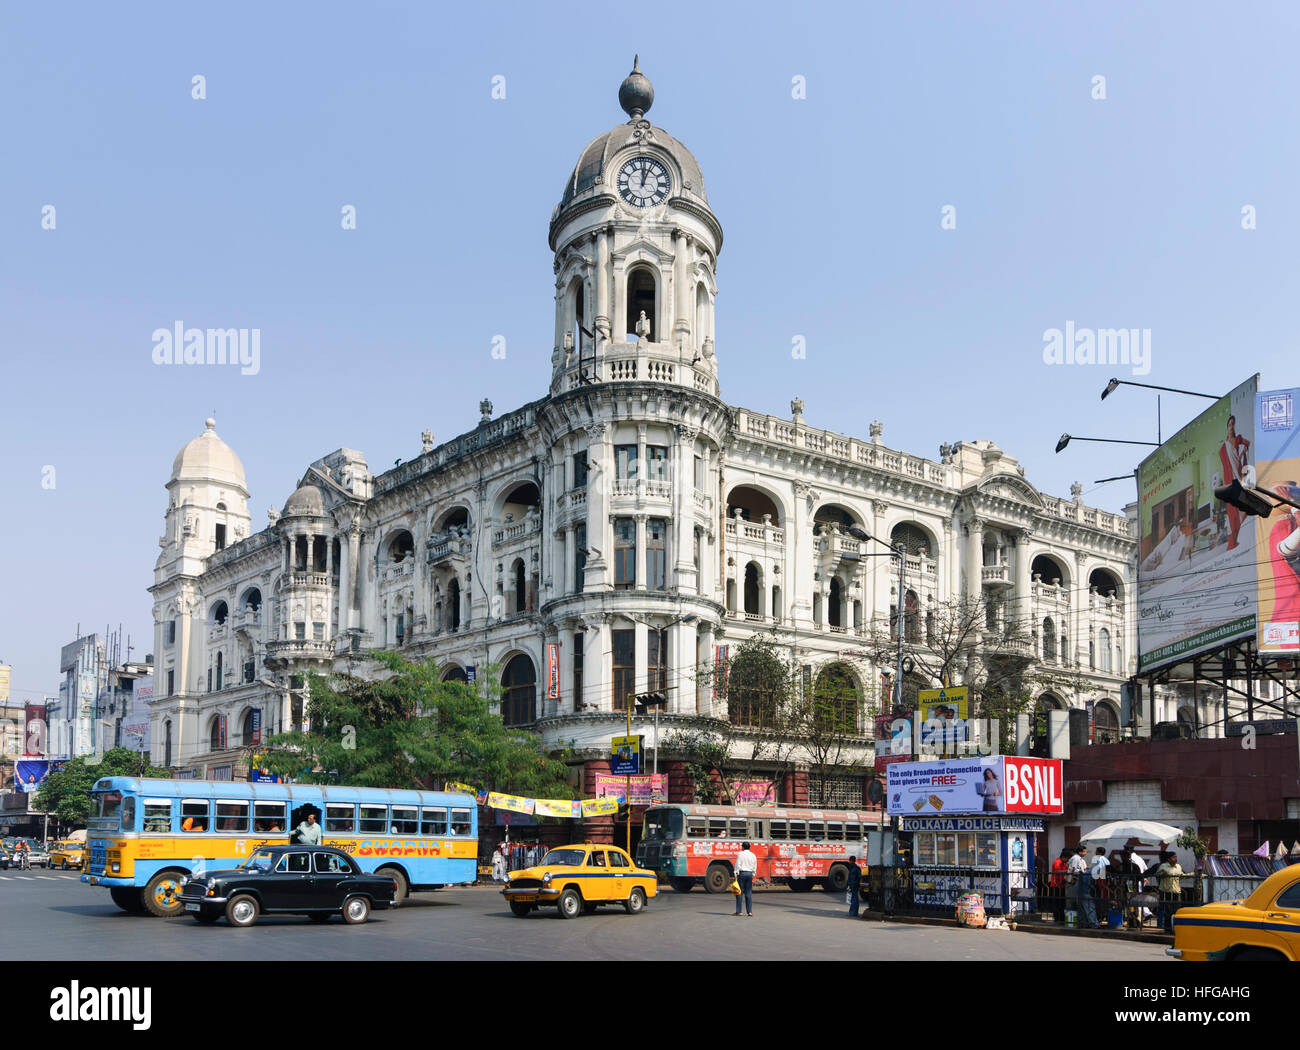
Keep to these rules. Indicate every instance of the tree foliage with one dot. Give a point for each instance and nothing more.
(412, 730)
(66, 791)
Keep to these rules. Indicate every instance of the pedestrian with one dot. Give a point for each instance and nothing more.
(498, 866)
(1081, 887)
(1170, 875)
(746, 866)
(1059, 869)
(855, 886)
(1098, 871)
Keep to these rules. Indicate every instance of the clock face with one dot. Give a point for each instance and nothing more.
(643, 182)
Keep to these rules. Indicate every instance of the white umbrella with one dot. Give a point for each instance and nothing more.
(1151, 831)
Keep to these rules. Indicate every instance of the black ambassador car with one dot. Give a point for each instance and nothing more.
(317, 881)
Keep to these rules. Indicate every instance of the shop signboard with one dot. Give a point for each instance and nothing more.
(1197, 585)
(995, 784)
(1277, 536)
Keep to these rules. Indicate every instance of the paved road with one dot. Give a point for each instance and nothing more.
(52, 915)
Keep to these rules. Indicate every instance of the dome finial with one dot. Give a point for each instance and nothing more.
(636, 95)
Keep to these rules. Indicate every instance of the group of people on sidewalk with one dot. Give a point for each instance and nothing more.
(1083, 881)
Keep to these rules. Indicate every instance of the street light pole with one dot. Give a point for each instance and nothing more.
(859, 533)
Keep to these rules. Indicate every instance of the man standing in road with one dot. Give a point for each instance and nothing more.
(855, 886)
(746, 866)
(309, 831)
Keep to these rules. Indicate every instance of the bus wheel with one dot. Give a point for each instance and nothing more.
(837, 879)
(717, 878)
(681, 885)
(403, 887)
(127, 898)
(801, 885)
(162, 897)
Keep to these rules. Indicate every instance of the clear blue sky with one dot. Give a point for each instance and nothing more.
(1122, 212)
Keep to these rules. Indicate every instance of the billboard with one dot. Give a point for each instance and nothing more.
(30, 774)
(1196, 580)
(36, 740)
(5, 672)
(1277, 537)
(995, 784)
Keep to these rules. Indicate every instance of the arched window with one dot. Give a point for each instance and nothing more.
(246, 729)
(1049, 639)
(832, 514)
(455, 674)
(641, 299)
(453, 604)
(753, 504)
(912, 538)
(701, 314)
(214, 734)
(837, 700)
(252, 600)
(1103, 651)
(1105, 723)
(519, 692)
(521, 586)
(835, 604)
(167, 743)
(755, 681)
(752, 590)
(1104, 582)
(401, 547)
(1048, 570)
(220, 613)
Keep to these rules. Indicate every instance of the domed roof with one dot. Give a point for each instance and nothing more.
(636, 95)
(208, 458)
(306, 501)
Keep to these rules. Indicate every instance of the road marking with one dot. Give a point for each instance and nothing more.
(25, 878)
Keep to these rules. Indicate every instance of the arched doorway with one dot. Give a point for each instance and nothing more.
(519, 692)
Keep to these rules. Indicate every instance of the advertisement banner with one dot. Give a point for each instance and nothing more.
(30, 774)
(720, 672)
(457, 788)
(513, 803)
(645, 789)
(625, 755)
(5, 672)
(996, 784)
(557, 807)
(221, 732)
(1277, 537)
(1197, 586)
(552, 671)
(36, 740)
(599, 807)
(135, 734)
(944, 704)
(753, 792)
(256, 726)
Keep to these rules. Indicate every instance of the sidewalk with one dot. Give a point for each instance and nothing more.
(1147, 935)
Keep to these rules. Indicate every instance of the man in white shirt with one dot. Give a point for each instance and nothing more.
(1081, 886)
(746, 866)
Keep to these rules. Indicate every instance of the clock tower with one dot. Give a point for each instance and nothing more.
(636, 248)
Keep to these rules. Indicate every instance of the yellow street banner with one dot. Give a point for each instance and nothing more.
(513, 803)
(456, 787)
(944, 704)
(599, 807)
(557, 807)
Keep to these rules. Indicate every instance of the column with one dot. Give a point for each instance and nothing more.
(354, 565)
(344, 580)
(974, 558)
(600, 536)
(642, 582)
(601, 281)
(1022, 575)
(570, 564)
(681, 323)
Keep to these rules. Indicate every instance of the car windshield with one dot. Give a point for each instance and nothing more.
(559, 857)
(259, 861)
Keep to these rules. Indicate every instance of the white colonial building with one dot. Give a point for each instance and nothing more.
(630, 517)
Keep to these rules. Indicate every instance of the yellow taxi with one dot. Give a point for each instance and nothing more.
(67, 854)
(1264, 926)
(579, 879)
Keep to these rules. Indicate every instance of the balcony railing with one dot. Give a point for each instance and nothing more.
(744, 530)
(300, 648)
(401, 571)
(996, 574)
(298, 578)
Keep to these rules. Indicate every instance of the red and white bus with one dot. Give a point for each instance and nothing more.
(801, 847)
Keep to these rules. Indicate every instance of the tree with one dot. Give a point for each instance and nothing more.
(412, 730)
(827, 720)
(66, 791)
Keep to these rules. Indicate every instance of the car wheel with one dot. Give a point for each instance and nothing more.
(162, 897)
(682, 885)
(242, 910)
(520, 908)
(569, 905)
(801, 885)
(635, 903)
(1257, 955)
(319, 916)
(356, 910)
(403, 887)
(128, 899)
(717, 878)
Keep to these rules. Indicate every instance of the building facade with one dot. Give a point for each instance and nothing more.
(609, 538)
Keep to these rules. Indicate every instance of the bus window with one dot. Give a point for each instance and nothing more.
(834, 831)
(798, 831)
(232, 816)
(157, 814)
(374, 820)
(717, 828)
(433, 820)
(816, 830)
(696, 828)
(853, 832)
(739, 829)
(405, 820)
(194, 814)
(268, 817)
(663, 824)
(128, 813)
(777, 830)
(460, 822)
(340, 817)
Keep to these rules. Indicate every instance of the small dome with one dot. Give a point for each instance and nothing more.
(208, 458)
(306, 502)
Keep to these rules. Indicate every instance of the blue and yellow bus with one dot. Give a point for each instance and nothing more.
(144, 836)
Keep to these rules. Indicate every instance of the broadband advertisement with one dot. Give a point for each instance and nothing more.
(996, 784)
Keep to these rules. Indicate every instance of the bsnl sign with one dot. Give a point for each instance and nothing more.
(997, 784)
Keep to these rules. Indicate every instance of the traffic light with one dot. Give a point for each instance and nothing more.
(1248, 501)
